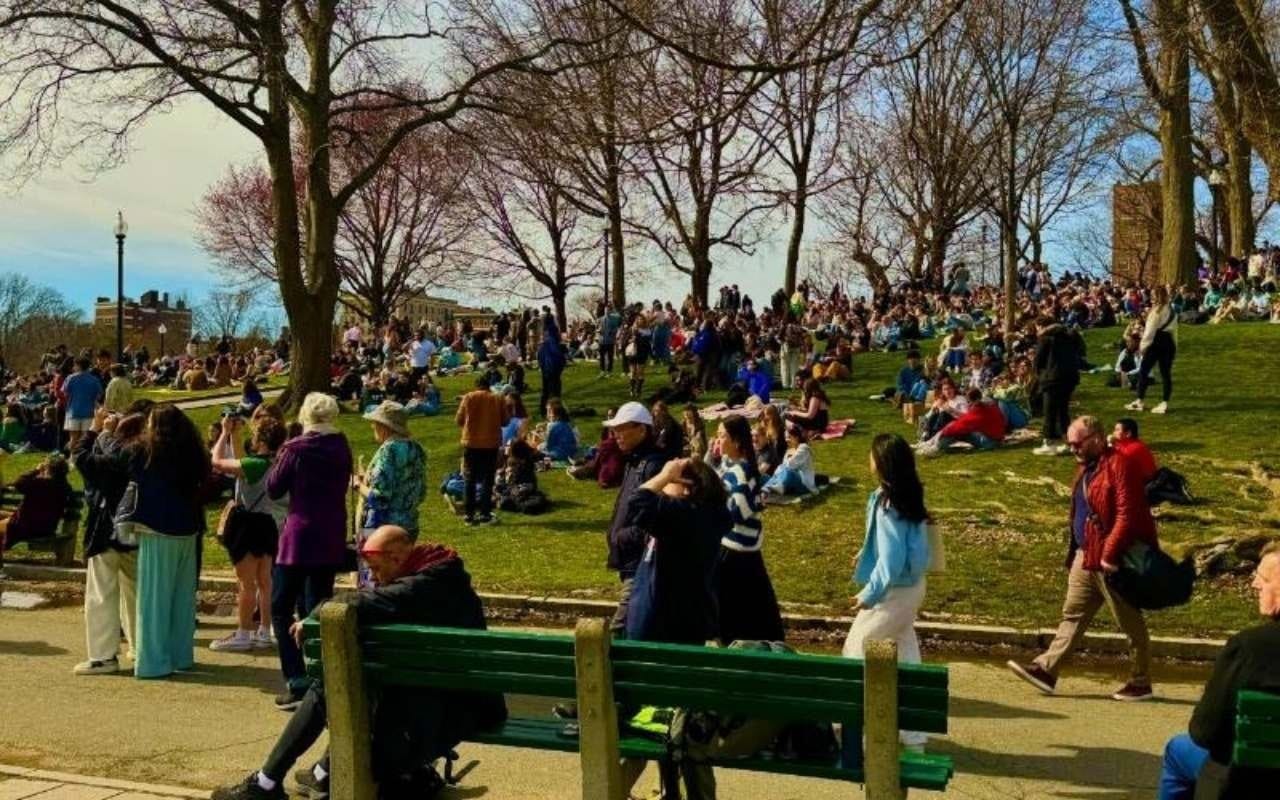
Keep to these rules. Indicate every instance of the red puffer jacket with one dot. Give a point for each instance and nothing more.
(1118, 512)
(984, 417)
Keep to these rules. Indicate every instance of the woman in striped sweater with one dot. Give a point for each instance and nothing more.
(748, 606)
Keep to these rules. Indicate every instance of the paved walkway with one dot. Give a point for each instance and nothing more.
(216, 723)
(24, 783)
(223, 399)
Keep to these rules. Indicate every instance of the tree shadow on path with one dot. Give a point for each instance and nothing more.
(973, 708)
(1126, 771)
(31, 648)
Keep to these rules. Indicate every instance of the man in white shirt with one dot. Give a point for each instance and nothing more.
(420, 350)
(509, 352)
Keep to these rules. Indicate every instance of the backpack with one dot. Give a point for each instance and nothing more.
(1167, 485)
(523, 498)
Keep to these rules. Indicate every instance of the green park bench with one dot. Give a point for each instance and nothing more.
(61, 541)
(1257, 731)
(872, 698)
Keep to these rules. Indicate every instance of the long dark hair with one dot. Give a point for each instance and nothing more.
(705, 487)
(813, 388)
(173, 446)
(900, 485)
(739, 430)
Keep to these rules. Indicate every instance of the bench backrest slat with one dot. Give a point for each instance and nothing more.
(1257, 730)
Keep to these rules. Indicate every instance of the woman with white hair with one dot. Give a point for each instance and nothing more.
(314, 471)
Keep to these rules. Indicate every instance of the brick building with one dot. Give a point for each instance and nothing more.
(142, 320)
(420, 308)
(1135, 232)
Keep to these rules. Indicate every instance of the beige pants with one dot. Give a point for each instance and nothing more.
(110, 602)
(1086, 593)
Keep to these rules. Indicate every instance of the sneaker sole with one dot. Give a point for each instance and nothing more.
(92, 672)
(1125, 698)
(1029, 678)
(290, 707)
(240, 648)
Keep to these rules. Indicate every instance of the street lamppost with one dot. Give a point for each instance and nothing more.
(121, 230)
(1217, 179)
(162, 330)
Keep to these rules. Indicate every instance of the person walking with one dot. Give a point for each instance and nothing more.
(314, 471)
(395, 481)
(83, 392)
(250, 533)
(894, 559)
(1057, 364)
(748, 606)
(161, 511)
(1109, 514)
(481, 415)
(610, 321)
(1159, 346)
(551, 363)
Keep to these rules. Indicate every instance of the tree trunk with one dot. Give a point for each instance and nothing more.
(1240, 228)
(701, 279)
(618, 291)
(937, 254)
(1177, 176)
(798, 208)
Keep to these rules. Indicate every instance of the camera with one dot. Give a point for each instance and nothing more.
(232, 412)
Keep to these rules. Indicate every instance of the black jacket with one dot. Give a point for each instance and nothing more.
(419, 724)
(1251, 660)
(626, 541)
(1058, 355)
(104, 465)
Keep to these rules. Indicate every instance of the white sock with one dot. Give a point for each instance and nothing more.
(265, 783)
(320, 772)
(243, 634)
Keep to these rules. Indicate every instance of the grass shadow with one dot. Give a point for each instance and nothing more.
(31, 648)
(1103, 767)
(973, 708)
(265, 679)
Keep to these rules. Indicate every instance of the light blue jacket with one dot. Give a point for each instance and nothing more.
(896, 552)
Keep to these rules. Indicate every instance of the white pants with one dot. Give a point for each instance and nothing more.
(894, 617)
(790, 358)
(110, 602)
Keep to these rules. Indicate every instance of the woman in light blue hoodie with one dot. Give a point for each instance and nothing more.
(894, 557)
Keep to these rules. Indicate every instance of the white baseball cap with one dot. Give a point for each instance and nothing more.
(628, 413)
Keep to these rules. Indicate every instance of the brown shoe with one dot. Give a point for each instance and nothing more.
(1034, 675)
(1133, 693)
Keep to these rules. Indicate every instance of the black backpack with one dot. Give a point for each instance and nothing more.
(1168, 486)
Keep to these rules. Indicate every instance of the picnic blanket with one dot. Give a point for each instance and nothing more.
(838, 429)
(748, 411)
(771, 499)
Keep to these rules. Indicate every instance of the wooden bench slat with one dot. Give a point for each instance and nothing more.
(1263, 731)
(1258, 705)
(421, 637)
(1257, 756)
(515, 683)
(451, 659)
(805, 665)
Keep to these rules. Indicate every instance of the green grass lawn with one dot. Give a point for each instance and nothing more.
(1003, 512)
(232, 393)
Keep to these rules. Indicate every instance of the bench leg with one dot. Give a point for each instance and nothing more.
(880, 721)
(64, 552)
(347, 703)
(597, 715)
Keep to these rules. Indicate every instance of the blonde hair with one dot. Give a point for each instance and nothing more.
(318, 408)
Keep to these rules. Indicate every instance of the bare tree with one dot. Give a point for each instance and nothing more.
(32, 318)
(224, 313)
(78, 72)
(1169, 84)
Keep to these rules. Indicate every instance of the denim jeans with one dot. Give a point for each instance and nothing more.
(1183, 760)
(980, 441)
(298, 589)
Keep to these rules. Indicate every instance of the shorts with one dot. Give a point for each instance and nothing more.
(252, 534)
(78, 425)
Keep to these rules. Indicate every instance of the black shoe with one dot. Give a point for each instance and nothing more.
(248, 789)
(469, 521)
(487, 519)
(289, 699)
(311, 786)
(1034, 675)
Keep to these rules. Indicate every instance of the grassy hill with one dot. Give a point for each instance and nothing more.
(1003, 512)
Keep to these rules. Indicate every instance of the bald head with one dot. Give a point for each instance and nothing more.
(1086, 439)
(386, 551)
(1267, 581)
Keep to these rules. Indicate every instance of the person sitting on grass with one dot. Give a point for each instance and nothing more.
(425, 401)
(770, 438)
(1125, 371)
(695, 433)
(250, 395)
(668, 435)
(816, 413)
(13, 429)
(561, 443)
(948, 405)
(982, 425)
(44, 495)
(517, 419)
(606, 464)
(1250, 660)
(795, 475)
(423, 584)
(1125, 441)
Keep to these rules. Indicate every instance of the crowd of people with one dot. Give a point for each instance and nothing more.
(687, 529)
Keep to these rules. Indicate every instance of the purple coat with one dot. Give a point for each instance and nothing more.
(314, 470)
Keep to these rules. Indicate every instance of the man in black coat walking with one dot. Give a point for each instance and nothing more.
(1058, 354)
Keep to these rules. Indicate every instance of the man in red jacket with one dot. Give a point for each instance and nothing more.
(1125, 441)
(1109, 513)
(982, 425)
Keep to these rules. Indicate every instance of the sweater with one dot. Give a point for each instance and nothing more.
(985, 418)
(895, 553)
(742, 484)
(314, 470)
(1250, 660)
(481, 415)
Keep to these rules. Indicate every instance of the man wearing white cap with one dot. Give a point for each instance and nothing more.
(632, 427)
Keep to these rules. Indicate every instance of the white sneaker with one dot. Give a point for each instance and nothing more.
(1045, 449)
(876, 397)
(1163, 408)
(237, 642)
(263, 640)
(105, 667)
(1136, 405)
(1061, 450)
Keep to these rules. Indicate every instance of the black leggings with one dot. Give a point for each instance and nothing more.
(1057, 411)
(606, 357)
(1160, 354)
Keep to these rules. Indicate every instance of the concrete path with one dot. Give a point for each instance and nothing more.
(223, 399)
(24, 783)
(216, 723)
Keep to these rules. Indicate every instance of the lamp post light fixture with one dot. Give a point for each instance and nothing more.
(1217, 179)
(162, 330)
(121, 230)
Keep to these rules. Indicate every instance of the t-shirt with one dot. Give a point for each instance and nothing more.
(420, 353)
(1081, 501)
(83, 390)
(251, 489)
